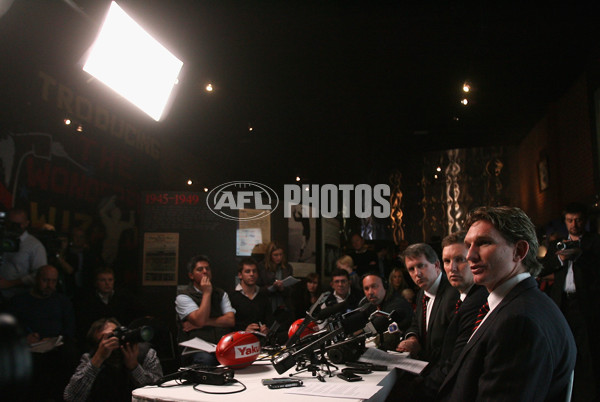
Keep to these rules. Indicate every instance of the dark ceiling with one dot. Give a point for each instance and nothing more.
(345, 91)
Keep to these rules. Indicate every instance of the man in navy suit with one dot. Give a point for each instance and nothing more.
(435, 304)
(521, 348)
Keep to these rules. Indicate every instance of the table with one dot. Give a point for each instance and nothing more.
(251, 377)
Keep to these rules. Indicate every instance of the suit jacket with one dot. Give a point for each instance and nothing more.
(523, 351)
(442, 313)
(457, 334)
(586, 272)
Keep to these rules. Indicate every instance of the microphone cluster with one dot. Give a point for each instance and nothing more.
(342, 339)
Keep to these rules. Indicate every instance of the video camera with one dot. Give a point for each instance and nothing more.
(568, 244)
(136, 335)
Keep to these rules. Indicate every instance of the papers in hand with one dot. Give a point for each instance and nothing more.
(196, 344)
(289, 281)
(393, 359)
(47, 344)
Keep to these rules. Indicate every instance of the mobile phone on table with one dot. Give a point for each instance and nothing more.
(349, 376)
(357, 370)
(279, 381)
(285, 384)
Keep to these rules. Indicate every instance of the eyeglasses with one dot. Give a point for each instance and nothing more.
(203, 268)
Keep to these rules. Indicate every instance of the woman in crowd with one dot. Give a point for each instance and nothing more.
(306, 294)
(271, 273)
(396, 281)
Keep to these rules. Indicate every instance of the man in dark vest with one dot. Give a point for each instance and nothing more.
(203, 311)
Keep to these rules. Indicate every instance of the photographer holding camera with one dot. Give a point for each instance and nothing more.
(574, 264)
(117, 364)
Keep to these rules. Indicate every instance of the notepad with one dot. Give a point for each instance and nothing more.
(289, 281)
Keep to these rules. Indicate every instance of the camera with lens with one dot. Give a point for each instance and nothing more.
(568, 244)
(135, 335)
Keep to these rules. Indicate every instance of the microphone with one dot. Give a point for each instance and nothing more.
(331, 310)
(287, 359)
(307, 319)
(356, 319)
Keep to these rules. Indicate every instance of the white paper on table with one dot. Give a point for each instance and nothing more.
(354, 390)
(196, 344)
(394, 359)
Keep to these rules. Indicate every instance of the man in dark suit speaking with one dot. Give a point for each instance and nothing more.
(521, 348)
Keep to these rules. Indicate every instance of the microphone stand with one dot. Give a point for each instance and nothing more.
(317, 358)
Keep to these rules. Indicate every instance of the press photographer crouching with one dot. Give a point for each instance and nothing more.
(118, 363)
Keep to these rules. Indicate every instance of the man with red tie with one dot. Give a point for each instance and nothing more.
(522, 348)
(436, 303)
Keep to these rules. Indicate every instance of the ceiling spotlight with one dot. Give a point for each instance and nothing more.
(297, 178)
(67, 122)
(466, 87)
(189, 182)
(438, 169)
(435, 176)
(206, 189)
(465, 101)
(209, 88)
(79, 128)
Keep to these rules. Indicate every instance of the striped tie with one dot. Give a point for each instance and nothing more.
(458, 303)
(481, 315)
(425, 300)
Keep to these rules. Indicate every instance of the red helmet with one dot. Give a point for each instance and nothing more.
(311, 328)
(238, 349)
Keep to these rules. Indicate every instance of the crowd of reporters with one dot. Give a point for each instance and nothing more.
(437, 303)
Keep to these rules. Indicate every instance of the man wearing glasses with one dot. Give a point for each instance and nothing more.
(203, 311)
(340, 283)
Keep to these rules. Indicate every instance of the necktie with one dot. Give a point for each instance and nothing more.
(425, 300)
(482, 313)
(458, 303)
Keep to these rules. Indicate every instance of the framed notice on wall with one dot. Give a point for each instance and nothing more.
(161, 259)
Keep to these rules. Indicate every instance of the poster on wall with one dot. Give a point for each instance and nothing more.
(252, 235)
(247, 240)
(161, 259)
